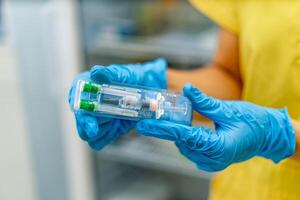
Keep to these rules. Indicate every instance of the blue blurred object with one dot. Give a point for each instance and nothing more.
(100, 131)
(243, 130)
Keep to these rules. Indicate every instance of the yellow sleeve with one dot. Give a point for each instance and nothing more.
(223, 12)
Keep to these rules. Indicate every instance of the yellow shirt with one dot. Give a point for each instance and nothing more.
(269, 39)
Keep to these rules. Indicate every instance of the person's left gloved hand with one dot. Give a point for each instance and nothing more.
(243, 130)
(98, 131)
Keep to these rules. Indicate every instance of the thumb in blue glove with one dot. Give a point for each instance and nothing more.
(243, 130)
(101, 131)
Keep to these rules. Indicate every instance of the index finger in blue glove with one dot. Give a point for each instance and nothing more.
(209, 107)
(152, 73)
(113, 73)
(176, 132)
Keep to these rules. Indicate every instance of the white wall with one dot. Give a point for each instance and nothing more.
(41, 156)
(16, 172)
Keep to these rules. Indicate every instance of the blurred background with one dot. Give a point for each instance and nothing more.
(43, 45)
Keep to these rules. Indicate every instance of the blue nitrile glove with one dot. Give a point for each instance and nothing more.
(100, 131)
(243, 130)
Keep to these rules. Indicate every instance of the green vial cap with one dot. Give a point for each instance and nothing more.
(91, 87)
(87, 105)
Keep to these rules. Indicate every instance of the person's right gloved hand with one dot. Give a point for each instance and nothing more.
(243, 130)
(100, 131)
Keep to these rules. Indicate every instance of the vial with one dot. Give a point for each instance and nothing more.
(131, 102)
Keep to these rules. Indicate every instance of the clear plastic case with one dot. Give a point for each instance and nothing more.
(132, 102)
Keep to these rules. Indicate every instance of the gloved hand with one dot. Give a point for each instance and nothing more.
(243, 130)
(100, 131)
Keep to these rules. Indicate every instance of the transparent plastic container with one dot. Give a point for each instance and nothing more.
(131, 102)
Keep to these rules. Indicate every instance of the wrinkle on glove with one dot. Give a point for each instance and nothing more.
(243, 130)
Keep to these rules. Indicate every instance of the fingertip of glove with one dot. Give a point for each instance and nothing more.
(100, 74)
(193, 93)
(189, 90)
(160, 62)
(187, 87)
(96, 146)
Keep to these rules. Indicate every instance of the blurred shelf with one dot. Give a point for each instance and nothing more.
(176, 47)
(146, 188)
(152, 154)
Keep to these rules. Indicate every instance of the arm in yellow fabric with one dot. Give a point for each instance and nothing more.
(221, 78)
(296, 125)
